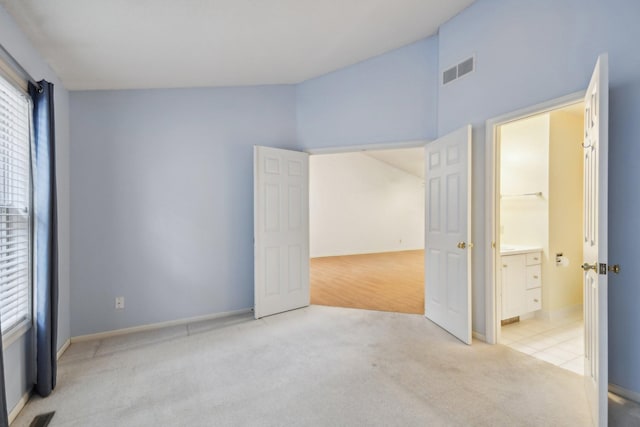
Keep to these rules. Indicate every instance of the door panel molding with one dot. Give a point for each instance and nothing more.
(281, 230)
(448, 219)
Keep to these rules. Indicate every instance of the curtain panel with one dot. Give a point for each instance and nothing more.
(45, 255)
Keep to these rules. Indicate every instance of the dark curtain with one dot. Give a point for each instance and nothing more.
(45, 236)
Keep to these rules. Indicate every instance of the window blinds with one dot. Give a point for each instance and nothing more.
(15, 207)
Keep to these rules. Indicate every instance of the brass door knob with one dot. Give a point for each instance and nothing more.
(614, 268)
(587, 266)
(462, 245)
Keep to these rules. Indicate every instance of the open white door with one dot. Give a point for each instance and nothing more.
(596, 171)
(281, 230)
(447, 233)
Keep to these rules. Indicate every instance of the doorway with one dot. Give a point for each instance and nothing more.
(281, 231)
(366, 221)
(539, 172)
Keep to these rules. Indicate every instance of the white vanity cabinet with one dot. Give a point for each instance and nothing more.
(521, 282)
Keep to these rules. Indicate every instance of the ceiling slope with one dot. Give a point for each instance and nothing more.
(124, 44)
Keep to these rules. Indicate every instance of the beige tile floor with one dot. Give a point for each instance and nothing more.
(559, 342)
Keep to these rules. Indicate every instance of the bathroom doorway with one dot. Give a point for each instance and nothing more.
(539, 297)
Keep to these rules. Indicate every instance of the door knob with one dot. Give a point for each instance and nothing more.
(462, 245)
(614, 268)
(587, 266)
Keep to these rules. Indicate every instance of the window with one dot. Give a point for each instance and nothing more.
(15, 207)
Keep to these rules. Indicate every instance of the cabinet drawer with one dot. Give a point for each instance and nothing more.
(534, 276)
(534, 258)
(534, 299)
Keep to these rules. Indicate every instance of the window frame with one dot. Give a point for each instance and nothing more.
(24, 324)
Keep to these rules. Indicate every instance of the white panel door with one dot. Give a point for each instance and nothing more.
(447, 233)
(281, 230)
(596, 171)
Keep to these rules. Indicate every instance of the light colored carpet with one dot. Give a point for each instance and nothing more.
(319, 366)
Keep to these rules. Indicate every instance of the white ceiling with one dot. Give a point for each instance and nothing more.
(410, 160)
(123, 44)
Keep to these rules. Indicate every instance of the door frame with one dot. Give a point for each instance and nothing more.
(492, 207)
(398, 145)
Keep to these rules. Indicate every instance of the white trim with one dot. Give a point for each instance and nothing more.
(13, 414)
(14, 334)
(633, 396)
(13, 76)
(153, 326)
(491, 329)
(369, 147)
(479, 336)
(62, 349)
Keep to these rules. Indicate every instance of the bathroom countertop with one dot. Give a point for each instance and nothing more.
(518, 249)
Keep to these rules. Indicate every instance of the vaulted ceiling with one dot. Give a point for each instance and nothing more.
(410, 160)
(123, 44)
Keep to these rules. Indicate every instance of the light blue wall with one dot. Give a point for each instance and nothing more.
(17, 375)
(162, 179)
(162, 208)
(529, 52)
(388, 98)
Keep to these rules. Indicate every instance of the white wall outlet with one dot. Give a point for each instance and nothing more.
(119, 303)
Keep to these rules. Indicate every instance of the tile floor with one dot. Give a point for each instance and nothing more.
(559, 342)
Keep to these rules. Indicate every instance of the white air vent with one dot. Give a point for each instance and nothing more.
(455, 72)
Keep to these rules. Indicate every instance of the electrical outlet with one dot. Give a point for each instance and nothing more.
(119, 303)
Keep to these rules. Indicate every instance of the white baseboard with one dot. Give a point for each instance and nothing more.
(62, 349)
(562, 313)
(21, 403)
(479, 336)
(153, 326)
(623, 392)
